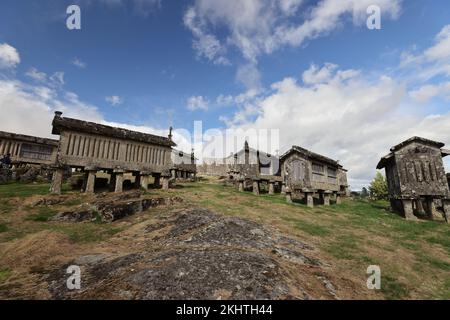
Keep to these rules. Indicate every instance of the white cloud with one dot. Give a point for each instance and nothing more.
(249, 76)
(36, 75)
(342, 114)
(441, 49)
(430, 91)
(9, 57)
(78, 63)
(258, 27)
(431, 62)
(197, 103)
(205, 44)
(114, 100)
(57, 79)
(30, 108)
(224, 100)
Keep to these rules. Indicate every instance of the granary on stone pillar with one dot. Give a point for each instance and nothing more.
(254, 168)
(416, 178)
(184, 163)
(306, 173)
(92, 147)
(250, 162)
(25, 149)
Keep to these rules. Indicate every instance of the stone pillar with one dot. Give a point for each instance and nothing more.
(112, 181)
(157, 182)
(173, 173)
(408, 209)
(283, 188)
(321, 197)
(446, 205)
(271, 187)
(144, 181)
(90, 183)
(309, 199)
(326, 199)
(119, 181)
(256, 187)
(165, 182)
(137, 180)
(431, 209)
(338, 199)
(241, 186)
(288, 195)
(57, 180)
(419, 206)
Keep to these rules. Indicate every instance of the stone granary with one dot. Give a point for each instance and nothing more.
(252, 162)
(28, 149)
(416, 177)
(247, 161)
(253, 167)
(306, 173)
(92, 147)
(184, 165)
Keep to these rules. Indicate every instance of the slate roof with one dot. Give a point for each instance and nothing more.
(417, 139)
(384, 160)
(60, 123)
(311, 155)
(22, 137)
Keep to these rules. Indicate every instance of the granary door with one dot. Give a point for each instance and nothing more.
(298, 169)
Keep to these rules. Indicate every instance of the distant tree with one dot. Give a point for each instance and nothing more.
(378, 187)
(364, 192)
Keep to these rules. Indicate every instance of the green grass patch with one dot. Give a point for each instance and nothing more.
(3, 227)
(23, 190)
(44, 214)
(312, 229)
(4, 274)
(443, 240)
(345, 247)
(5, 206)
(392, 289)
(91, 234)
(445, 290)
(430, 261)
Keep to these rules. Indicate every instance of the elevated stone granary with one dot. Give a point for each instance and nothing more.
(416, 177)
(184, 165)
(306, 173)
(92, 147)
(28, 149)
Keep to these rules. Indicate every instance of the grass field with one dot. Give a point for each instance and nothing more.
(414, 257)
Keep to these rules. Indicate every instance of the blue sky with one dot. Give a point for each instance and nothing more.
(235, 65)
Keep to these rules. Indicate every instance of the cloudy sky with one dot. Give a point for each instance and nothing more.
(311, 69)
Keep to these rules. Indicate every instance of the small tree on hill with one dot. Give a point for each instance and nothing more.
(378, 187)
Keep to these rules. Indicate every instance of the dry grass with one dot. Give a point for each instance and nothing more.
(414, 256)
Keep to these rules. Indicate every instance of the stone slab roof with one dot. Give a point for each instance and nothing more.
(384, 160)
(22, 137)
(311, 155)
(419, 140)
(59, 123)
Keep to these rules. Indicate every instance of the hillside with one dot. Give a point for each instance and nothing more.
(207, 240)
